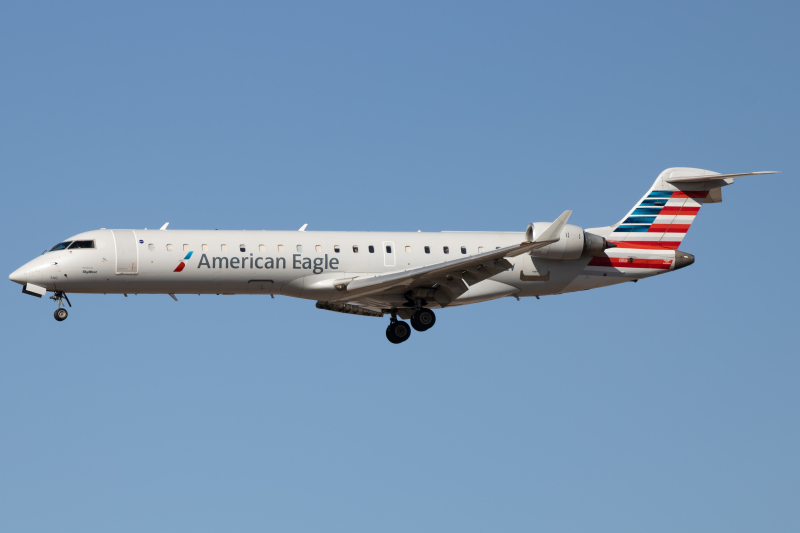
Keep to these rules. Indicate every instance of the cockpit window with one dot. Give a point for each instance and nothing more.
(60, 246)
(82, 244)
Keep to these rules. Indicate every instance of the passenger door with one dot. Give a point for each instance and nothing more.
(127, 251)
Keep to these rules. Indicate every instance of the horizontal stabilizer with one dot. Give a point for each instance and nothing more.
(696, 179)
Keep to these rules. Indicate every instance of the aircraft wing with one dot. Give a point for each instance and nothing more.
(446, 280)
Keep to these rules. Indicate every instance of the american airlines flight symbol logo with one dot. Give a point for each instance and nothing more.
(180, 267)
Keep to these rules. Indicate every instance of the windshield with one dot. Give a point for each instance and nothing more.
(60, 246)
(81, 244)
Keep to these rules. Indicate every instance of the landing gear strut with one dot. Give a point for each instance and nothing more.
(398, 331)
(61, 312)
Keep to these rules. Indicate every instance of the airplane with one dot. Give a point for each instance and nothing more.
(405, 275)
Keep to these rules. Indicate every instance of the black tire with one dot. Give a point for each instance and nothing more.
(423, 319)
(60, 314)
(398, 332)
(390, 335)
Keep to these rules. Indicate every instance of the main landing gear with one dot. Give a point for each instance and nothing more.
(61, 312)
(423, 319)
(398, 331)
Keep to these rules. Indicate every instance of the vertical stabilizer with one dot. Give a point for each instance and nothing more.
(664, 214)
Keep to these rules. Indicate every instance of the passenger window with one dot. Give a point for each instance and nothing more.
(480, 249)
(280, 247)
(371, 249)
(151, 247)
(299, 247)
(262, 248)
(388, 249)
(463, 249)
(242, 248)
(82, 244)
(169, 247)
(355, 249)
(408, 249)
(318, 248)
(447, 249)
(427, 249)
(205, 247)
(336, 248)
(224, 247)
(60, 246)
(185, 247)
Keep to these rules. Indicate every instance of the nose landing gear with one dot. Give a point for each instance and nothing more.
(60, 313)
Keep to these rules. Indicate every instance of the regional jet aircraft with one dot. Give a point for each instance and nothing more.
(403, 275)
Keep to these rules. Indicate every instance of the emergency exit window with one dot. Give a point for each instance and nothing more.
(388, 249)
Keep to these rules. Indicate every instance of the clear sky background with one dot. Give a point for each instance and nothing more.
(666, 405)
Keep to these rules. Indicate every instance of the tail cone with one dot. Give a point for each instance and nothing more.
(682, 259)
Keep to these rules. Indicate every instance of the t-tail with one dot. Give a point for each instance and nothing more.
(666, 212)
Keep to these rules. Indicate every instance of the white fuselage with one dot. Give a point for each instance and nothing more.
(303, 264)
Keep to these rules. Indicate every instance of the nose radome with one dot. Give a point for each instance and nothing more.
(20, 276)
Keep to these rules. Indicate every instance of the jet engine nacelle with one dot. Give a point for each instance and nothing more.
(573, 244)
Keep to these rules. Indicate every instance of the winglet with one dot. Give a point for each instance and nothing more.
(164, 226)
(553, 231)
(303, 228)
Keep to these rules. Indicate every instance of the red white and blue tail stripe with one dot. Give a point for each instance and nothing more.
(661, 218)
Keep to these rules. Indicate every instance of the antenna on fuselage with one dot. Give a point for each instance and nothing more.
(164, 226)
(303, 228)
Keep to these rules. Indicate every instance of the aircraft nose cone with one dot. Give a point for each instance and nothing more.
(20, 276)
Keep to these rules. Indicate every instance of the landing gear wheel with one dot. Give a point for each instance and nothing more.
(423, 319)
(398, 331)
(60, 314)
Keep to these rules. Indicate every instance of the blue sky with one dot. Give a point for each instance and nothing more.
(670, 404)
